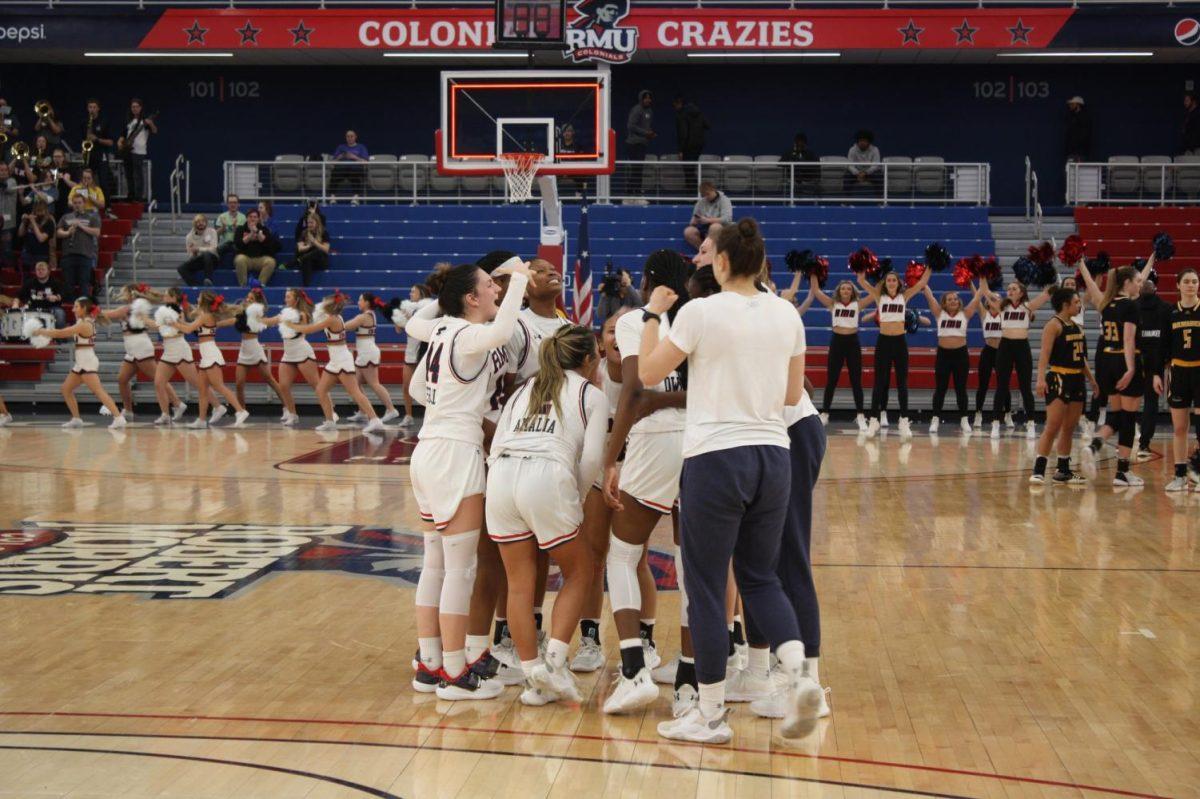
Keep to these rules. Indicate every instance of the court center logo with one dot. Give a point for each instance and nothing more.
(597, 35)
(1187, 31)
(192, 561)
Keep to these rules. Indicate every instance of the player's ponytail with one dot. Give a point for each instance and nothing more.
(1116, 284)
(569, 348)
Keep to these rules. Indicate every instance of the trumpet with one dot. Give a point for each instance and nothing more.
(43, 109)
(20, 151)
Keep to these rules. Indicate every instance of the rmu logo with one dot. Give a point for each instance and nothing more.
(596, 34)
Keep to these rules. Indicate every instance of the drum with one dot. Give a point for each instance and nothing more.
(11, 325)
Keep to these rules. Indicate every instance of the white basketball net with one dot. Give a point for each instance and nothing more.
(519, 172)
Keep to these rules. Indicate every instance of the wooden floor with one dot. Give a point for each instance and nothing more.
(229, 614)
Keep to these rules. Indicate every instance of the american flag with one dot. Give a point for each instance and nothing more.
(583, 275)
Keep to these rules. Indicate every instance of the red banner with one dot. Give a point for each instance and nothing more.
(752, 30)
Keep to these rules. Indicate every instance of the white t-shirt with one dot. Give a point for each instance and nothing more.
(629, 340)
(739, 349)
(801, 410)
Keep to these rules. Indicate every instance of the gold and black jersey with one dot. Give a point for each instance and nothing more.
(1070, 347)
(1185, 335)
(1113, 319)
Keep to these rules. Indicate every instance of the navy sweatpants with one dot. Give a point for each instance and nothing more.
(795, 565)
(732, 503)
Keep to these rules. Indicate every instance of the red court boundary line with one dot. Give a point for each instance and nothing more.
(584, 737)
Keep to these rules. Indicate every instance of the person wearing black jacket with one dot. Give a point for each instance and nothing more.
(1079, 130)
(256, 247)
(806, 178)
(1190, 144)
(43, 292)
(690, 128)
(1154, 336)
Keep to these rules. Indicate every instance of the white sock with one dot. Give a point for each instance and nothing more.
(556, 653)
(791, 656)
(712, 698)
(476, 646)
(455, 663)
(527, 666)
(810, 668)
(431, 652)
(759, 662)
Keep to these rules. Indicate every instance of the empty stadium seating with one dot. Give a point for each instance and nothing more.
(1126, 232)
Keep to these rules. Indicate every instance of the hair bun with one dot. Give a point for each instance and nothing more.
(747, 228)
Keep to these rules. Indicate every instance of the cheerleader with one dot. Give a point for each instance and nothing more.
(251, 355)
(340, 366)
(647, 486)
(465, 362)
(419, 296)
(745, 353)
(953, 359)
(1062, 366)
(207, 316)
(367, 354)
(298, 355)
(1016, 312)
(1119, 373)
(134, 316)
(547, 452)
(844, 347)
(891, 347)
(1182, 376)
(86, 369)
(992, 330)
(176, 354)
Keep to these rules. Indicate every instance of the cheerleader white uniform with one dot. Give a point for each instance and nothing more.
(542, 465)
(412, 354)
(1014, 354)
(654, 450)
(341, 362)
(366, 350)
(251, 352)
(86, 362)
(456, 383)
(296, 349)
(176, 349)
(210, 353)
(138, 346)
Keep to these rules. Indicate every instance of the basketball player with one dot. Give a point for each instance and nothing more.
(647, 486)
(463, 368)
(547, 452)
(891, 347)
(953, 358)
(1085, 425)
(207, 316)
(745, 353)
(139, 349)
(1016, 312)
(367, 354)
(86, 369)
(1062, 366)
(1119, 373)
(1182, 377)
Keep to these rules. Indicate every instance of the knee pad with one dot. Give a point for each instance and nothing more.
(459, 552)
(1126, 432)
(683, 597)
(623, 591)
(433, 572)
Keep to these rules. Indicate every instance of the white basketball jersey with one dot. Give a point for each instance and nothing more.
(527, 339)
(459, 390)
(952, 325)
(548, 434)
(629, 339)
(845, 317)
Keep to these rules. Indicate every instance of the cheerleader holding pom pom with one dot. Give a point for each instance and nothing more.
(134, 315)
(209, 314)
(86, 369)
(367, 354)
(298, 355)
(251, 355)
(176, 353)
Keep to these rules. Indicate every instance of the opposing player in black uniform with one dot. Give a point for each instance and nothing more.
(1182, 377)
(1062, 366)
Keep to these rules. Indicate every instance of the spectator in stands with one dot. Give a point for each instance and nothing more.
(93, 196)
(312, 248)
(266, 212)
(1079, 130)
(95, 130)
(568, 144)
(51, 128)
(41, 291)
(690, 131)
(712, 210)
(256, 248)
(864, 175)
(10, 126)
(36, 232)
(64, 179)
(228, 221)
(806, 178)
(8, 212)
(302, 222)
(1191, 125)
(350, 158)
(201, 243)
(79, 230)
(639, 130)
(134, 145)
(41, 152)
(617, 295)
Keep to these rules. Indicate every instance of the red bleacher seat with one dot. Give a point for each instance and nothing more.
(131, 211)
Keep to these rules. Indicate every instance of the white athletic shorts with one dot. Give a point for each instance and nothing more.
(444, 472)
(532, 498)
(251, 353)
(138, 347)
(653, 463)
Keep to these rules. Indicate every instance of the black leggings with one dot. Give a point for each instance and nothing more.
(987, 365)
(951, 363)
(844, 350)
(891, 352)
(1013, 352)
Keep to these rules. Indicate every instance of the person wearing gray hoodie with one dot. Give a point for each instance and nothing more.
(639, 132)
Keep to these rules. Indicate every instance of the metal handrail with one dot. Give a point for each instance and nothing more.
(179, 175)
(150, 233)
(1132, 183)
(1033, 205)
